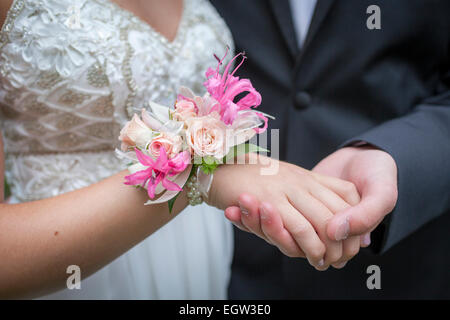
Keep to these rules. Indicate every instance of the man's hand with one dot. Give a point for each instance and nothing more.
(374, 173)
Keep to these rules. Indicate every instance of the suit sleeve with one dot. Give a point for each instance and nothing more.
(419, 142)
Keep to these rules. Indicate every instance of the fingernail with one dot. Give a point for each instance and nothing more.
(243, 210)
(343, 230)
(366, 239)
(263, 213)
(340, 265)
(321, 263)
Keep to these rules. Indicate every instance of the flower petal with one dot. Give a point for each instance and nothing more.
(144, 159)
(151, 190)
(226, 87)
(150, 121)
(161, 164)
(180, 162)
(170, 185)
(261, 130)
(139, 177)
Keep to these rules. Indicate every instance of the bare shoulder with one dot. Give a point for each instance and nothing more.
(4, 7)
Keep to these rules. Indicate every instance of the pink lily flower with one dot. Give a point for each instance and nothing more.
(224, 88)
(158, 170)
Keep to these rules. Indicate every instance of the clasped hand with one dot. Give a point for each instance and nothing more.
(309, 213)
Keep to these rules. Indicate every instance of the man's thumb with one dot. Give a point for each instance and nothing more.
(358, 220)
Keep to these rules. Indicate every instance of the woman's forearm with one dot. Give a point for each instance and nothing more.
(88, 227)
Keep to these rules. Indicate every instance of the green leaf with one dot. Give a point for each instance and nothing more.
(193, 171)
(208, 160)
(171, 202)
(243, 148)
(209, 165)
(209, 169)
(7, 190)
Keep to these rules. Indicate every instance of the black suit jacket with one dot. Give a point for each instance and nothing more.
(388, 87)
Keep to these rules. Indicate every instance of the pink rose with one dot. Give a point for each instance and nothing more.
(172, 145)
(135, 133)
(207, 136)
(184, 109)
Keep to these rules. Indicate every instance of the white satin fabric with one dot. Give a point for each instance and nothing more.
(71, 73)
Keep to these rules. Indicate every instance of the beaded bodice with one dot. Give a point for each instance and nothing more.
(73, 71)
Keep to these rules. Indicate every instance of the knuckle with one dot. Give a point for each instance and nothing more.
(365, 222)
(321, 269)
(272, 232)
(334, 256)
(298, 170)
(250, 222)
(291, 253)
(340, 264)
(354, 251)
(301, 177)
(351, 252)
(317, 253)
(392, 200)
(300, 230)
(349, 189)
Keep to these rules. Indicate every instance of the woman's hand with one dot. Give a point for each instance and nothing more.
(294, 205)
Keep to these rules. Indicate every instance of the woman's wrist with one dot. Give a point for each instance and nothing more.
(222, 193)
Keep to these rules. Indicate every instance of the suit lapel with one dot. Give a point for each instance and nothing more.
(320, 12)
(283, 15)
(282, 12)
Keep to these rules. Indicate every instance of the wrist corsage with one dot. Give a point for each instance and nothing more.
(172, 148)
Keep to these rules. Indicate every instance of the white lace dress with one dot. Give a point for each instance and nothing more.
(71, 73)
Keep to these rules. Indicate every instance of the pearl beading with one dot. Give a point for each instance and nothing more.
(194, 195)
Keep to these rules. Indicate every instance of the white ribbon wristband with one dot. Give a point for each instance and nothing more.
(198, 187)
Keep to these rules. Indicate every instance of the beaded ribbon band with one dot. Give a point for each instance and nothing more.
(198, 186)
(194, 195)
